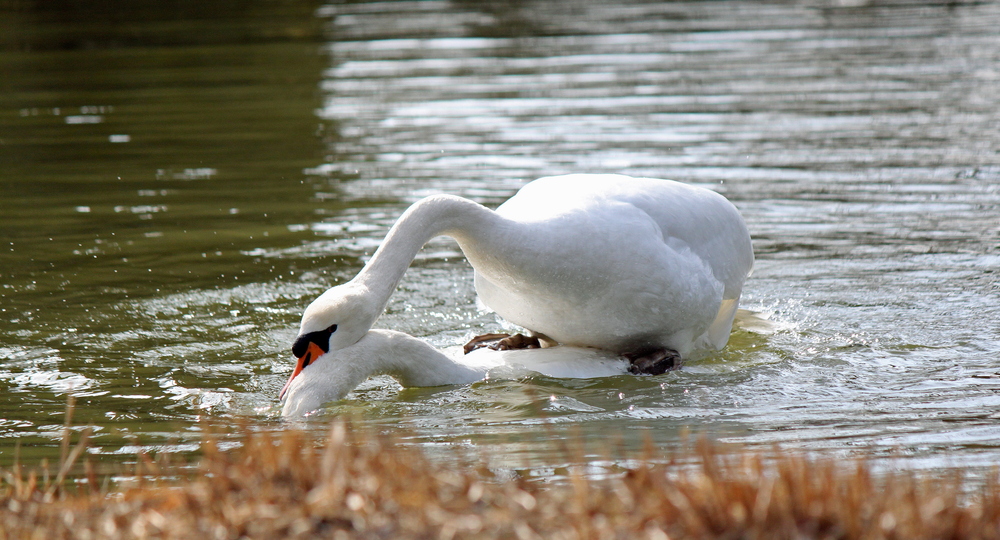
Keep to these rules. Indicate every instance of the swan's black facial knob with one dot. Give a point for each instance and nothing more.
(321, 338)
(307, 348)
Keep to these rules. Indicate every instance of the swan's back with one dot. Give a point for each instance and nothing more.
(701, 219)
(616, 262)
(560, 362)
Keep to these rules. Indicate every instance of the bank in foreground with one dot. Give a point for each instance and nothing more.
(355, 483)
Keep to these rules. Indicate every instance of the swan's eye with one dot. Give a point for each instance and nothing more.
(320, 338)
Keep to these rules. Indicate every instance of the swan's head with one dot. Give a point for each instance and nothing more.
(336, 320)
(333, 375)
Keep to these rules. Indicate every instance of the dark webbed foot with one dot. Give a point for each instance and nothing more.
(502, 342)
(653, 362)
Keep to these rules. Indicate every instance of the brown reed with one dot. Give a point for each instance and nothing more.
(357, 483)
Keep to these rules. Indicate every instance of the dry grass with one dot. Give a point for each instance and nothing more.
(355, 483)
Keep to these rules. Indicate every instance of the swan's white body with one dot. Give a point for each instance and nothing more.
(414, 362)
(618, 263)
(604, 261)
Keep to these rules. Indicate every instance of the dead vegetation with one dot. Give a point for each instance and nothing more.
(356, 483)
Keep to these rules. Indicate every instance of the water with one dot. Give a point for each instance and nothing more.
(177, 186)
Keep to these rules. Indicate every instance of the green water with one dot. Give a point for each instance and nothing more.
(179, 182)
(144, 159)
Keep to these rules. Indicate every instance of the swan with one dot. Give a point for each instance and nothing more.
(413, 362)
(627, 265)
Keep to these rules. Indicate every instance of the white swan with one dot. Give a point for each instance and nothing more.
(590, 260)
(414, 362)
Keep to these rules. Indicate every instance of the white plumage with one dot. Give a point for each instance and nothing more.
(610, 262)
(414, 362)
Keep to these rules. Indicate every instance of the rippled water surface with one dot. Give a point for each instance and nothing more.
(179, 184)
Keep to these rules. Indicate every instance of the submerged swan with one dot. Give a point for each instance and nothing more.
(626, 265)
(414, 362)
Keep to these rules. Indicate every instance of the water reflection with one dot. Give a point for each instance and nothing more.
(144, 151)
(855, 139)
(220, 172)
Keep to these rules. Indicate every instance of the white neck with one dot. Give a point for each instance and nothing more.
(410, 361)
(414, 362)
(467, 222)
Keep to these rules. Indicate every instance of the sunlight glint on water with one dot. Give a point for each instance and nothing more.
(860, 143)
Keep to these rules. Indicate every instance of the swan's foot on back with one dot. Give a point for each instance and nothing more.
(502, 342)
(653, 362)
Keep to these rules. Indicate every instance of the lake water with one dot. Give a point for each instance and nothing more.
(178, 184)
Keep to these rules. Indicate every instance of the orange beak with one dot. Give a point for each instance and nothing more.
(313, 352)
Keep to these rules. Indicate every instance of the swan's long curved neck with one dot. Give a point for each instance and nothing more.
(465, 221)
(413, 362)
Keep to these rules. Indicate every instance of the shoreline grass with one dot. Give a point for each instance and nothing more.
(359, 483)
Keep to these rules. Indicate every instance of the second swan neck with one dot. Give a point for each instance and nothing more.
(414, 362)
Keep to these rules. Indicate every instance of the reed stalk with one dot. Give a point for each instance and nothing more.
(355, 482)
